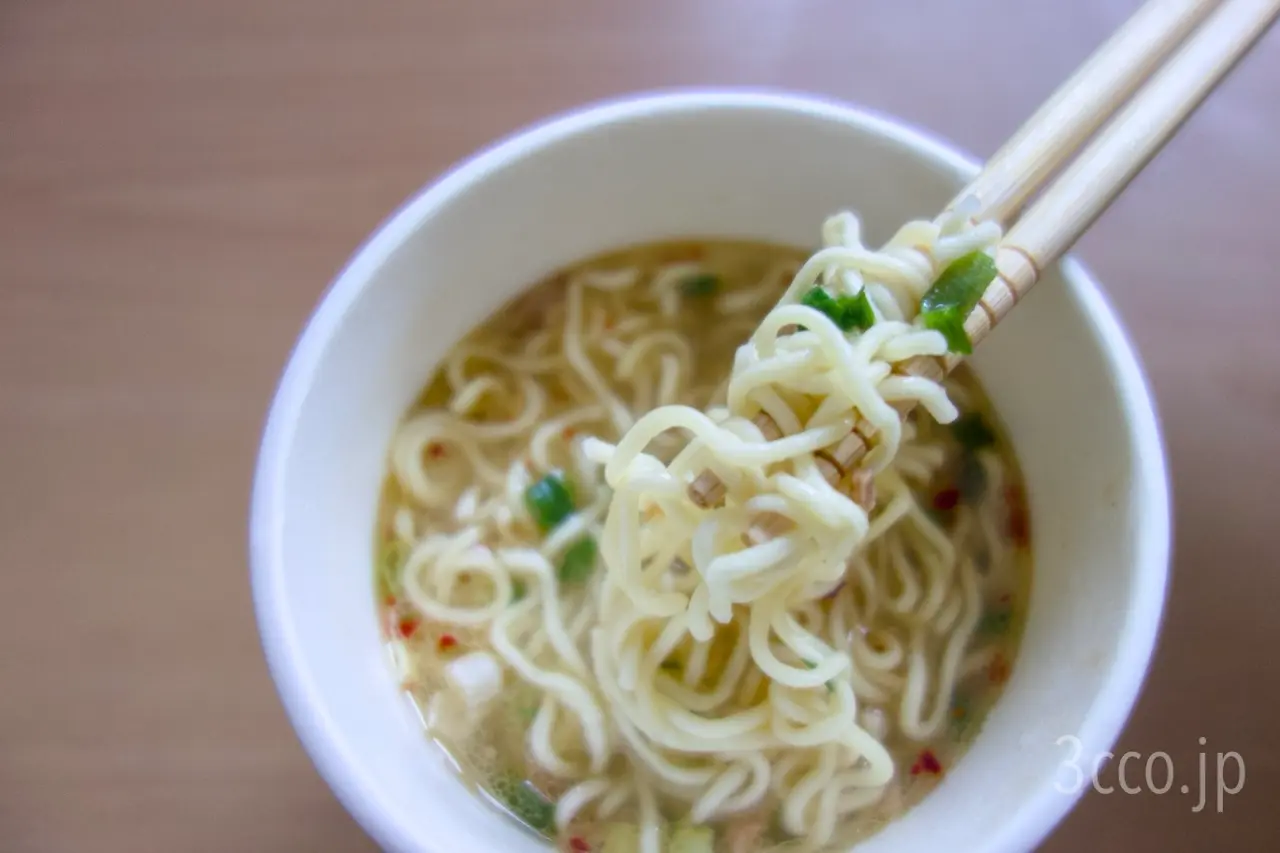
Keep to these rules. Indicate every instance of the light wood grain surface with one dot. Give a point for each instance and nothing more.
(180, 178)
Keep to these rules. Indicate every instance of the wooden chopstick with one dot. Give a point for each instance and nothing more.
(1088, 186)
(1080, 105)
(1083, 190)
(1022, 165)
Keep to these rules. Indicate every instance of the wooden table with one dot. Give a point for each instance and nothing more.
(180, 178)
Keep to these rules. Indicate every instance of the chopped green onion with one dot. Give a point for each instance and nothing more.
(518, 590)
(856, 311)
(526, 803)
(957, 290)
(391, 559)
(579, 561)
(972, 431)
(995, 622)
(847, 312)
(951, 325)
(818, 299)
(549, 501)
(700, 284)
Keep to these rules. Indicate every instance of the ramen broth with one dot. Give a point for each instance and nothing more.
(696, 300)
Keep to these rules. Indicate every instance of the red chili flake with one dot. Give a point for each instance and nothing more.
(998, 669)
(1006, 598)
(389, 600)
(578, 845)
(407, 626)
(1019, 529)
(447, 641)
(946, 499)
(608, 324)
(568, 433)
(929, 763)
(435, 450)
(1017, 525)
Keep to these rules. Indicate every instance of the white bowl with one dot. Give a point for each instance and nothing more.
(1060, 371)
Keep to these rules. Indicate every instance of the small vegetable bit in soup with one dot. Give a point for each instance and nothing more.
(616, 667)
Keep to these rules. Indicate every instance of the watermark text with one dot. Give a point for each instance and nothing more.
(1219, 774)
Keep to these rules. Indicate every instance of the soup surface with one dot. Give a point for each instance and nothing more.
(488, 569)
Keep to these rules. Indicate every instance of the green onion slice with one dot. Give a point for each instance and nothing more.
(995, 621)
(973, 432)
(526, 803)
(549, 501)
(579, 561)
(700, 284)
(391, 559)
(847, 312)
(955, 293)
